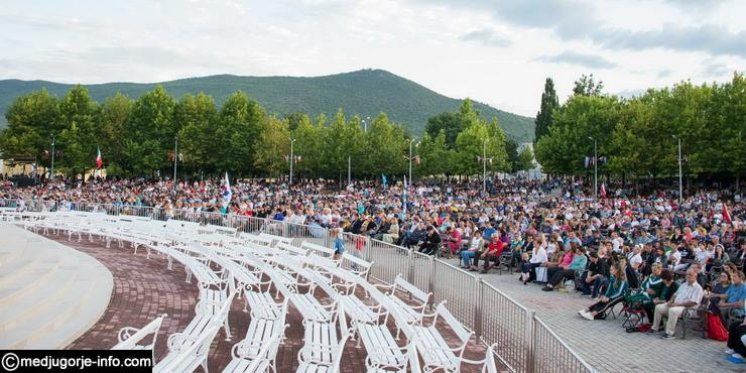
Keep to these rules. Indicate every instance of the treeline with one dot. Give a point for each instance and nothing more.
(639, 137)
(138, 138)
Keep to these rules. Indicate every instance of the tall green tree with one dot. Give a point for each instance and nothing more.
(308, 145)
(435, 157)
(237, 134)
(32, 121)
(150, 133)
(197, 117)
(448, 123)
(114, 114)
(385, 147)
(587, 86)
(77, 140)
(549, 103)
(273, 147)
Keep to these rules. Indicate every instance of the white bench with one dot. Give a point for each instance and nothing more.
(409, 313)
(322, 346)
(318, 249)
(290, 249)
(384, 354)
(130, 338)
(189, 349)
(488, 363)
(262, 332)
(436, 354)
(275, 239)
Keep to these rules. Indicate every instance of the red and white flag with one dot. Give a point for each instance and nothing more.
(603, 190)
(99, 160)
(726, 214)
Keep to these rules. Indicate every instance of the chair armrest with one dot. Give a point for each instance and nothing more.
(126, 332)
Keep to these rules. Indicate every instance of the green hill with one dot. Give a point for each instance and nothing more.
(364, 92)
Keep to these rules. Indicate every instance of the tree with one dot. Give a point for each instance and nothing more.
(586, 86)
(273, 147)
(150, 133)
(549, 103)
(309, 138)
(385, 147)
(237, 133)
(525, 160)
(197, 118)
(77, 140)
(32, 121)
(448, 123)
(113, 117)
(511, 149)
(435, 157)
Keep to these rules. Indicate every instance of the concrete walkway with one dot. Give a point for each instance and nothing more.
(605, 345)
(49, 293)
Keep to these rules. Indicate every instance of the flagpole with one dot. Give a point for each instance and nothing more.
(51, 174)
(595, 168)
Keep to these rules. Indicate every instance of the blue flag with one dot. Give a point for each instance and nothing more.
(383, 180)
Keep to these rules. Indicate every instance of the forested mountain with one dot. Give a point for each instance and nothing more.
(364, 92)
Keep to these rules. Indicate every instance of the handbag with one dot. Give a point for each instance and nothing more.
(715, 328)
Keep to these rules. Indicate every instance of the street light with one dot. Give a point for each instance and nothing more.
(681, 178)
(176, 157)
(595, 167)
(292, 160)
(51, 173)
(484, 160)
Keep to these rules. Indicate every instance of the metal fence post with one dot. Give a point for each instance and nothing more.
(431, 280)
(530, 338)
(327, 241)
(410, 267)
(478, 308)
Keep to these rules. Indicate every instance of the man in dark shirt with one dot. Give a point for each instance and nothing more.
(432, 242)
(597, 273)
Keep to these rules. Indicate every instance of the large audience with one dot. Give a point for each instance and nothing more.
(638, 254)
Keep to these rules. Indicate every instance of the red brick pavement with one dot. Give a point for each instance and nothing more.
(145, 288)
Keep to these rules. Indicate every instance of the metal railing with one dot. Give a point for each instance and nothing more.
(524, 342)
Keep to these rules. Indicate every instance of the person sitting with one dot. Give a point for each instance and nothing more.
(595, 277)
(475, 244)
(528, 267)
(735, 296)
(614, 294)
(453, 239)
(659, 293)
(737, 343)
(491, 254)
(563, 263)
(688, 295)
(417, 234)
(393, 232)
(578, 263)
(432, 241)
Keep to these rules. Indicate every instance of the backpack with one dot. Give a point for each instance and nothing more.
(715, 328)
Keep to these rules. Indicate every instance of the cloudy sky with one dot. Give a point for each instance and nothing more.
(495, 51)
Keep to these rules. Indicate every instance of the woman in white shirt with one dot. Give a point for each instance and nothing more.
(538, 256)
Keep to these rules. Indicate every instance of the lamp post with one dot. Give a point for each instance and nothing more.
(681, 177)
(176, 158)
(484, 160)
(595, 168)
(51, 173)
(292, 160)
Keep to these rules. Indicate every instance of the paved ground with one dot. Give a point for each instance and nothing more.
(605, 345)
(144, 289)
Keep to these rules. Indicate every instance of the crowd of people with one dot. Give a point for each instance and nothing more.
(657, 257)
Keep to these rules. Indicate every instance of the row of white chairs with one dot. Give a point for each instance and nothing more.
(245, 260)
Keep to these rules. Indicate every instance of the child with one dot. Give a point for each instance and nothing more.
(339, 243)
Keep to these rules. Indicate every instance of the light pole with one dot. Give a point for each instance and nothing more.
(681, 177)
(484, 161)
(51, 173)
(176, 157)
(595, 168)
(292, 160)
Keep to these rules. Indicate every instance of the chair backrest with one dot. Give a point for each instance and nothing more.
(290, 249)
(401, 284)
(320, 249)
(463, 335)
(338, 354)
(276, 239)
(132, 340)
(490, 366)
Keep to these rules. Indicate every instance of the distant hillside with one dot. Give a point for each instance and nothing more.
(364, 92)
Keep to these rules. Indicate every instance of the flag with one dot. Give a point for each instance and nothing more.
(226, 192)
(383, 180)
(404, 196)
(726, 214)
(99, 160)
(603, 190)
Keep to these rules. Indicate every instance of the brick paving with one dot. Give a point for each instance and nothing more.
(605, 345)
(145, 288)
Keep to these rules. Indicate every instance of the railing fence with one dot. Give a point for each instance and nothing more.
(524, 342)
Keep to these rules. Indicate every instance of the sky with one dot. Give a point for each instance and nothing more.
(496, 52)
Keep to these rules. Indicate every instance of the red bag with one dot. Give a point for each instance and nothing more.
(715, 328)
